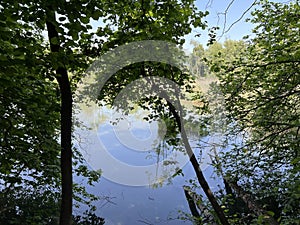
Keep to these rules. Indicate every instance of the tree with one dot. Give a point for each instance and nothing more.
(197, 65)
(233, 49)
(202, 58)
(63, 57)
(30, 134)
(148, 20)
(261, 90)
(30, 113)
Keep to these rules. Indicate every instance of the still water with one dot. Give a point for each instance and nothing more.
(137, 184)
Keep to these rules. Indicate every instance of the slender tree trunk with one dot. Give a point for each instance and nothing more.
(203, 183)
(196, 200)
(66, 126)
(191, 202)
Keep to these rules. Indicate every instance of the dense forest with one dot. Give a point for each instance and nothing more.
(47, 49)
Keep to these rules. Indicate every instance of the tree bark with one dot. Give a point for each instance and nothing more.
(66, 126)
(195, 202)
(203, 183)
(191, 202)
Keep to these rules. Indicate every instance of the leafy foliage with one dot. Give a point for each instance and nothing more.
(29, 109)
(30, 101)
(204, 62)
(261, 92)
(39, 207)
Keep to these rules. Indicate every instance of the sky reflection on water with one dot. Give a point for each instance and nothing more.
(152, 204)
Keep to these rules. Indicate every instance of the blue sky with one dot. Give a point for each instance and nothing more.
(216, 17)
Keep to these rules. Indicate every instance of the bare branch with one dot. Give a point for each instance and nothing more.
(225, 15)
(224, 30)
(241, 17)
(208, 4)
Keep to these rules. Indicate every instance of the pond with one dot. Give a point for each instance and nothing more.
(138, 185)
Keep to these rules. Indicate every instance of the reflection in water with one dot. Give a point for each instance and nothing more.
(125, 158)
(132, 141)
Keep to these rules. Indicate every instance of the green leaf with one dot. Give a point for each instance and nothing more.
(96, 14)
(84, 20)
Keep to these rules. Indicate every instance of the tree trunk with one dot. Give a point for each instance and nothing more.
(66, 127)
(191, 202)
(203, 183)
(196, 166)
(194, 201)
